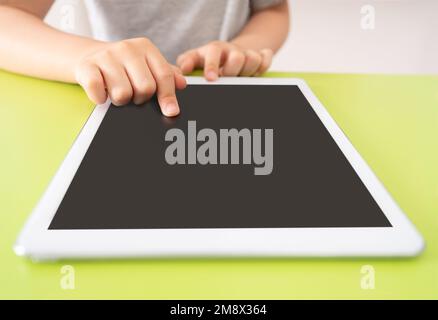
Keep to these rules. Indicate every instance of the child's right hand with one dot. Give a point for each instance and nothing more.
(128, 70)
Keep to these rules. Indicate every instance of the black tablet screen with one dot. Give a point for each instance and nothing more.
(237, 157)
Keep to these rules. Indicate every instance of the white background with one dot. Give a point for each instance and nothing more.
(327, 36)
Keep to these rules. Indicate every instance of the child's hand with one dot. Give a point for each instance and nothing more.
(219, 58)
(128, 70)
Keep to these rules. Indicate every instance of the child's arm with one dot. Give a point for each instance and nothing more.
(131, 69)
(249, 54)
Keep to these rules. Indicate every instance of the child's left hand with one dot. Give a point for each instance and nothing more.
(220, 58)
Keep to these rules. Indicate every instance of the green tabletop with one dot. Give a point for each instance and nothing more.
(392, 121)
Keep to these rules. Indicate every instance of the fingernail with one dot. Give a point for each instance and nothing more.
(170, 109)
(211, 75)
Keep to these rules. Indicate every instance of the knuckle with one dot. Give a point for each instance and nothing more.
(146, 88)
(142, 41)
(86, 62)
(237, 57)
(165, 75)
(215, 44)
(91, 83)
(254, 56)
(123, 45)
(259, 58)
(104, 55)
(268, 52)
(121, 95)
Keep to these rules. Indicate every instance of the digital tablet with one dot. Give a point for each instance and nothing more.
(251, 167)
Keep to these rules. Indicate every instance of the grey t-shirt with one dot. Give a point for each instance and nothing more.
(174, 26)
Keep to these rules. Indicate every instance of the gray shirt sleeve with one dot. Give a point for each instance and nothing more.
(257, 5)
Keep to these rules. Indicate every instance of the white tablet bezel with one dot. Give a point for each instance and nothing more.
(39, 243)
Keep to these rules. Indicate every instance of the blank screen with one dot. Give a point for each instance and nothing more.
(125, 182)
